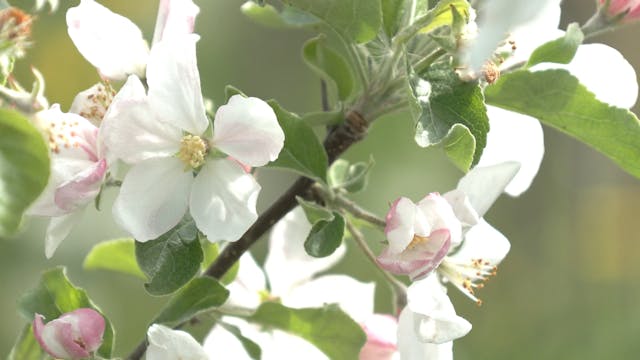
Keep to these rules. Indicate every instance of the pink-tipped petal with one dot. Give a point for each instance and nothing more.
(110, 42)
(74, 335)
(400, 227)
(248, 130)
(382, 337)
(83, 188)
(175, 17)
(91, 326)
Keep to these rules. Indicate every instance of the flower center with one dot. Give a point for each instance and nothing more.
(468, 276)
(417, 240)
(192, 151)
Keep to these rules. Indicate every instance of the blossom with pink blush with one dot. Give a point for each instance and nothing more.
(74, 335)
(617, 7)
(382, 338)
(420, 235)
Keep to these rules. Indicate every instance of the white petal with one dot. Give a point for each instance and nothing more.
(153, 198)
(221, 344)
(223, 200)
(132, 131)
(514, 137)
(605, 72)
(174, 84)
(498, 17)
(484, 184)
(401, 223)
(169, 344)
(462, 207)
(354, 297)
(110, 42)
(175, 17)
(248, 130)
(484, 242)
(412, 348)
(58, 230)
(246, 288)
(287, 263)
(439, 213)
(435, 318)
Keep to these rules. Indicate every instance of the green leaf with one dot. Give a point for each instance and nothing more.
(117, 255)
(325, 236)
(445, 101)
(171, 260)
(324, 118)
(352, 178)
(329, 65)
(354, 20)
(24, 168)
(302, 151)
(56, 295)
(556, 98)
(442, 14)
(392, 15)
(27, 347)
(211, 252)
(328, 328)
(201, 294)
(314, 212)
(561, 50)
(268, 15)
(249, 346)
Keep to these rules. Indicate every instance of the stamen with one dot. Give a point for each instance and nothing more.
(468, 276)
(417, 240)
(192, 151)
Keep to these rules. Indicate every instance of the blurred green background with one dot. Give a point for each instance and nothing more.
(568, 290)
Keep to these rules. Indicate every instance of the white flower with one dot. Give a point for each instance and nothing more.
(114, 44)
(169, 344)
(78, 168)
(517, 137)
(291, 273)
(163, 134)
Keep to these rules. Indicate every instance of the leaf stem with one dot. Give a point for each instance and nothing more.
(425, 62)
(350, 206)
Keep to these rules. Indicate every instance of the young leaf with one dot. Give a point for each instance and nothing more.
(201, 294)
(392, 15)
(115, 255)
(314, 212)
(24, 168)
(324, 118)
(329, 65)
(171, 260)
(352, 178)
(450, 101)
(442, 14)
(249, 346)
(268, 15)
(561, 50)
(56, 295)
(302, 151)
(325, 236)
(355, 20)
(328, 328)
(27, 347)
(556, 98)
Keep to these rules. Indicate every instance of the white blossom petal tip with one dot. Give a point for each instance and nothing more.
(168, 344)
(175, 18)
(247, 129)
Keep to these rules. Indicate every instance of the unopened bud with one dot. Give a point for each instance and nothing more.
(74, 335)
(627, 10)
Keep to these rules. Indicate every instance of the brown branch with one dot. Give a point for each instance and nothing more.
(339, 138)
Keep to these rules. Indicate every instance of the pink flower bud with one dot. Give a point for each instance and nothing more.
(382, 338)
(617, 7)
(74, 335)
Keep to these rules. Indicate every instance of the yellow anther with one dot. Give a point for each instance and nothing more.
(417, 240)
(192, 151)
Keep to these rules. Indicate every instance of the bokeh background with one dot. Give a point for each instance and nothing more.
(569, 289)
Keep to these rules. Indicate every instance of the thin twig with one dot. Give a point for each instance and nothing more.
(347, 204)
(398, 289)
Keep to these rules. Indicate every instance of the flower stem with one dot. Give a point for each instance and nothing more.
(354, 209)
(398, 289)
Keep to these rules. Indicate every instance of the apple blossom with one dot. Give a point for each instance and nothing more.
(169, 344)
(163, 133)
(114, 44)
(382, 338)
(74, 335)
(291, 276)
(630, 8)
(78, 168)
(92, 103)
